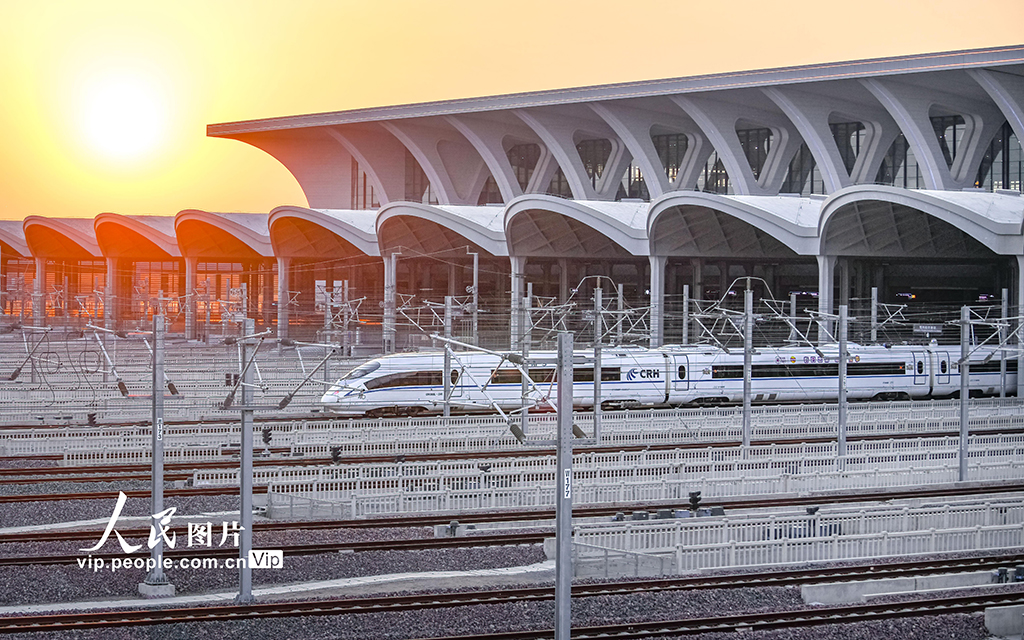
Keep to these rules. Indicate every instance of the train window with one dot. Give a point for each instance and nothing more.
(362, 370)
(542, 375)
(586, 374)
(992, 366)
(505, 376)
(406, 379)
(682, 373)
(920, 367)
(808, 370)
(943, 368)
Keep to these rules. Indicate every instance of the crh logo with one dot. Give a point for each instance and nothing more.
(645, 374)
(266, 558)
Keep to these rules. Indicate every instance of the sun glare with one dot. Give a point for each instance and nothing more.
(123, 116)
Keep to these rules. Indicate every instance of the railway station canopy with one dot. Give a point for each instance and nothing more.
(902, 174)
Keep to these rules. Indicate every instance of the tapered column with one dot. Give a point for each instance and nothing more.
(110, 296)
(826, 276)
(283, 266)
(657, 321)
(518, 291)
(191, 266)
(563, 280)
(39, 294)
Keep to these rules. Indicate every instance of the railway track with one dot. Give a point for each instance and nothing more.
(768, 621)
(182, 471)
(754, 502)
(803, 617)
(302, 550)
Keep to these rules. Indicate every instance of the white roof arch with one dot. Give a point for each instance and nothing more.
(136, 236)
(570, 234)
(226, 235)
(440, 228)
(994, 220)
(12, 233)
(768, 224)
(351, 231)
(61, 238)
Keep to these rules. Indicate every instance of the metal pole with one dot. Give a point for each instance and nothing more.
(328, 299)
(598, 334)
(156, 577)
(245, 539)
(345, 337)
(686, 314)
(792, 315)
(476, 298)
(526, 329)
(1004, 312)
(874, 315)
(563, 506)
(965, 388)
(843, 336)
(748, 347)
(621, 307)
(447, 372)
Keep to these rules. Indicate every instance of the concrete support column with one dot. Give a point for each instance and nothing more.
(657, 322)
(39, 294)
(698, 278)
(191, 266)
(518, 291)
(390, 285)
(563, 280)
(283, 266)
(110, 295)
(267, 268)
(826, 283)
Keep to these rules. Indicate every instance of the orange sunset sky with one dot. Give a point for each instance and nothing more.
(104, 104)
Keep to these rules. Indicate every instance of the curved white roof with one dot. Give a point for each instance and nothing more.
(157, 231)
(792, 221)
(239, 230)
(995, 220)
(12, 233)
(481, 226)
(61, 237)
(353, 227)
(623, 223)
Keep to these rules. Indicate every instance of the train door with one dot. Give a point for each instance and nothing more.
(944, 364)
(457, 374)
(920, 368)
(681, 374)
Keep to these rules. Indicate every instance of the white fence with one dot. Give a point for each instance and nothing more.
(363, 490)
(649, 466)
(838, 533)
(592, 561)
(490, 433)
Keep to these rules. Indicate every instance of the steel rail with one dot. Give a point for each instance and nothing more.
(732, 622)
(519, 515)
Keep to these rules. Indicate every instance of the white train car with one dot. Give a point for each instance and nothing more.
(412, 383)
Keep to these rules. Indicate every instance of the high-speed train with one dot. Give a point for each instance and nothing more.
(412, 383)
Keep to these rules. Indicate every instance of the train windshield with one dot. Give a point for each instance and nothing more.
(362, 370)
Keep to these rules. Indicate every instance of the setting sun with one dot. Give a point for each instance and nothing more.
(122, 116)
